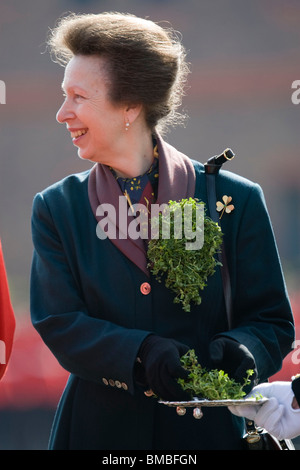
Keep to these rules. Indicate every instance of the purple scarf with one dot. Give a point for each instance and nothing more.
(176, 181)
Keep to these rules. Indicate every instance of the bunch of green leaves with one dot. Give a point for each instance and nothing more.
(185, 270)
(210, 384)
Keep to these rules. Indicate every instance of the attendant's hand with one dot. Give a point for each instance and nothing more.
(160, 358)
(234, 358)
(277, 415)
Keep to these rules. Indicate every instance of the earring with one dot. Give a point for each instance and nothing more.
(127, 126)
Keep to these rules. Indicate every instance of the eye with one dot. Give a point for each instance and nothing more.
(77, 97)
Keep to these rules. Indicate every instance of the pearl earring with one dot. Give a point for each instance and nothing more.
(127, 126)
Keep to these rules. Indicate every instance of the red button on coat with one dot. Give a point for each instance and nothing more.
(145, 288)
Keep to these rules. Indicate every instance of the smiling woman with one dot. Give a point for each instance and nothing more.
(94, 299)
(114, 81)
(95, 123)
(144, 62)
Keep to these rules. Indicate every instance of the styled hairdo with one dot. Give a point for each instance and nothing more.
(146, 63)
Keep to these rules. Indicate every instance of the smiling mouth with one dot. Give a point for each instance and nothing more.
(78, 133)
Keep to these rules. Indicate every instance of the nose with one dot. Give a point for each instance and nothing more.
(65, 112)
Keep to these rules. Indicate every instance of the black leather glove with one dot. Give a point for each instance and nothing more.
(160, 358)
(234, 358)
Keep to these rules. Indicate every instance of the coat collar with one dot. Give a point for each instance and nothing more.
(176, 181)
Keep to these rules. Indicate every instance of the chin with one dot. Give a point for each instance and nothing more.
(84, 155)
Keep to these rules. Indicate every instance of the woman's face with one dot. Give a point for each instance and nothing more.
(96, 125)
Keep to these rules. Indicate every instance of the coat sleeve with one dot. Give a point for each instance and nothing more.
(263, 320)
(7, 318)
(88, 347)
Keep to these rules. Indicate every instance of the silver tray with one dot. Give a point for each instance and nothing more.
(199, 403)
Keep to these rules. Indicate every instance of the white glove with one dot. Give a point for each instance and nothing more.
(276, 415)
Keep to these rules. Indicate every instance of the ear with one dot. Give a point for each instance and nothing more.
(132, 112)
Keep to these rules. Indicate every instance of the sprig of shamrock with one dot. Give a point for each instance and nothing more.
(185, 271)
(211, 384)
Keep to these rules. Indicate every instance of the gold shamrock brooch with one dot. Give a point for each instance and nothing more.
(226, 207)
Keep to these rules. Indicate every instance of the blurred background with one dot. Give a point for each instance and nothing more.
(244, 58)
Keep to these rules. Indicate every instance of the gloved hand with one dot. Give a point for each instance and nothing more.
(276, 415)
(160, 358)
(234, 358)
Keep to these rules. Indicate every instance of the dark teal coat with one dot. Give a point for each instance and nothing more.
(87, 305)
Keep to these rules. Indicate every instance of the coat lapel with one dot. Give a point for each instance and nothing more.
(176, 181)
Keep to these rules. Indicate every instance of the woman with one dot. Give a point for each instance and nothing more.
(108, 321)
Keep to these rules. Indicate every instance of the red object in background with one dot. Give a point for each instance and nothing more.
(34, 378)
(7, 319)
(291, 363)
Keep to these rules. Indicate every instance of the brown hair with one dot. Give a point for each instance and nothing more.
(146, 63)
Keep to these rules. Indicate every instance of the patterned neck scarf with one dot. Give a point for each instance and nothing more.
(177, 180)
(141, 189)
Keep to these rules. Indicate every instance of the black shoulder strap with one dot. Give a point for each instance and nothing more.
(212, 167)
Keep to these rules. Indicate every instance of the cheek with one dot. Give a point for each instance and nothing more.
(103, 121)
(107, 127)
